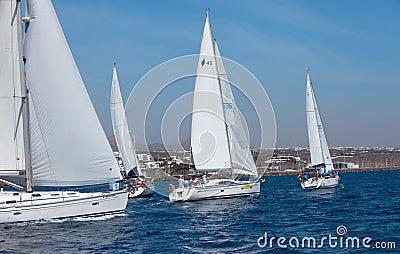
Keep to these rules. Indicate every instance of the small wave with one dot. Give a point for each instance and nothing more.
(40, 221)
(47, 221)
(99, 218)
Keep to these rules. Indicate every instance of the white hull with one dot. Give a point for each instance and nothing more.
(21, 206)
(320, 183)
(141, 192)
(214, 190)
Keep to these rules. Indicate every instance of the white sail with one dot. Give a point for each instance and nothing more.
(69, 147)
(208, 138)
(11, 126)
(121, 130)
(319, 150)
(242, 159)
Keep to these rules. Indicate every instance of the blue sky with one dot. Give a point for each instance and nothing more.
(351, 47)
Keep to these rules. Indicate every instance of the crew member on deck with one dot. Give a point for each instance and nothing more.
(204, 179)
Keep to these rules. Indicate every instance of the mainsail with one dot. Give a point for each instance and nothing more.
(121, 130)
(209, 140)
(12, 159)
(242, 159)
(69, 147)
(316, 136)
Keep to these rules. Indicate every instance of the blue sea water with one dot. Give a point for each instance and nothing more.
(367, 204)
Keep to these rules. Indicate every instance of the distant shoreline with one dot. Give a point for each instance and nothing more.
(344, 170)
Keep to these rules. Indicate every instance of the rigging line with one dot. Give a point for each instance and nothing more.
(18, 120)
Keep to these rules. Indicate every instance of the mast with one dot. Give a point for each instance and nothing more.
(27, 135)
(25, 109)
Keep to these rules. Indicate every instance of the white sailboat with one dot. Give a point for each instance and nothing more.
(218, 141)
(320, 174)
(50, 133)
(133, 174)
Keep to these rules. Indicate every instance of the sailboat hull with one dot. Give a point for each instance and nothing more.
(141, 192)
(320, 183)
(22, 207)
(216, 191)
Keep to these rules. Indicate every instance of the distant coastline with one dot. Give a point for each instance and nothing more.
(345, 170)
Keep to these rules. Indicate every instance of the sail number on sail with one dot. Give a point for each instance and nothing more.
(228, 105)
(203, 62)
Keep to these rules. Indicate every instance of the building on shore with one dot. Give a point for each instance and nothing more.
(340, 165)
